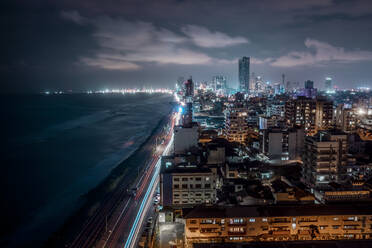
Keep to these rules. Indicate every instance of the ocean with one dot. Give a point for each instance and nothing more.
(56, 148)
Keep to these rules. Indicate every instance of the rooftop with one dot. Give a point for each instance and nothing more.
(186, 168)
(278, 211)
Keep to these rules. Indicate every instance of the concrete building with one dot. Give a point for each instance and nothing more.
(350, 192)
(271, 122)
(216, 154)
(267, 122)
(185, 138)
(277, 223)
(281, 145)
(325, 159)
(286, 194)
(276, 108)
(187, 185)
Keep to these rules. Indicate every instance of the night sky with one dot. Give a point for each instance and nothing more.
(92, 45)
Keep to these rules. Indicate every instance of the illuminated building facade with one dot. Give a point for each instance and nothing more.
(187, 185)
(219, 85)
(301, 112)
(277, 223)
(328, 84)
(236, 120)
(323, 114)
(345, 119)
(312, 114)
(189, 93)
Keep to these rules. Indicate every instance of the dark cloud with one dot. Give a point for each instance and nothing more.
(93, 44)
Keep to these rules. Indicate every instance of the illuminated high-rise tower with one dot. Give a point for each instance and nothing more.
(186, 135)
(328, 84)
(244, 74)
(189, 93)
(219, 84)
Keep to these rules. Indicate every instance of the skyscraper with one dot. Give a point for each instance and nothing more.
(219, 84)
(309, 84)
(244, 74)
(309, 90)
(189, 93)
(328, 84)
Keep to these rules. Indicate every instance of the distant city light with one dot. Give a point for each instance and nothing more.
(131, 91)
(361, 111)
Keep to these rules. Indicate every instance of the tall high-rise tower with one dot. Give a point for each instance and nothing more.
(244, 74)
(189, 93)
(219, 84)
(309, 84)
(328, 84)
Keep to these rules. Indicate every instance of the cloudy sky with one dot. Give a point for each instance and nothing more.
(82, 45)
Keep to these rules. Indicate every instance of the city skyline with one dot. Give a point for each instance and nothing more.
(186, 123)
(77, 46)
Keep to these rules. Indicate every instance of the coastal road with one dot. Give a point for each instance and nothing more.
(127, 231)
(121, 214)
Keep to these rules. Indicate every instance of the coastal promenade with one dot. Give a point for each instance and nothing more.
(119, 220)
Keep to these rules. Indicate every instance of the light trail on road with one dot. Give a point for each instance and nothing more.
(131, 240)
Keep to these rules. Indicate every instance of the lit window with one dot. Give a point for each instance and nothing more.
(264, 219)
(252, 220)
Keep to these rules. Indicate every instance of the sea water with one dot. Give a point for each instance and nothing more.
(55, 148)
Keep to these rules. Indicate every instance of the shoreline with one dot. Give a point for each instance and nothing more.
(126, 171)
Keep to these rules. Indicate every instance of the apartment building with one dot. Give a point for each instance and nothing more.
(311, 114)
(282, 144)
(345, 118)
(323, 114)
(277, 223)
(325, 159)
(187, 185)
(236, 121)
(301, 112)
